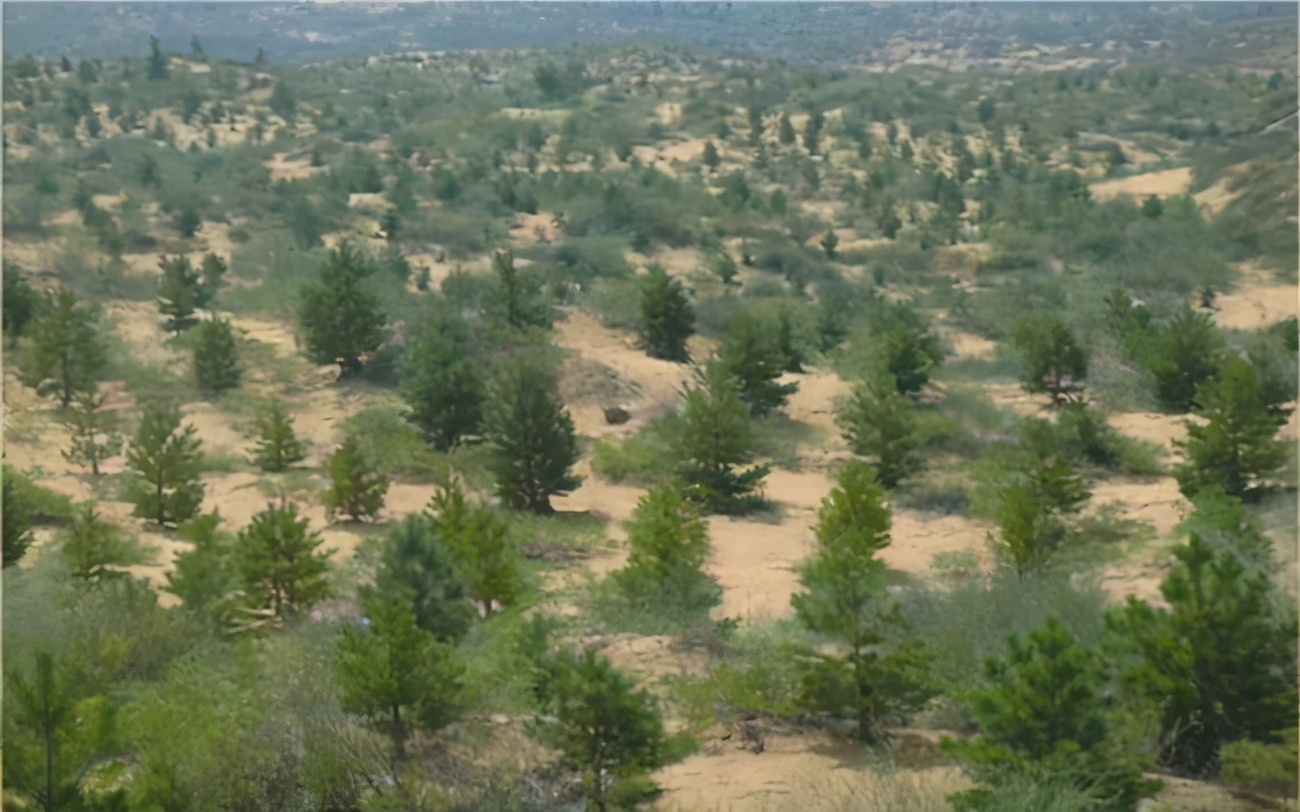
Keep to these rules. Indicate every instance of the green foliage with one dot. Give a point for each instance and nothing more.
(441, 381)
(21, 303)
(67, 353)
(187, 222)
(91, 547)
(487, 562)
(517, 303)
(1031, 505)
(205, 578)
(1236, 449)
(1052, 359)
(710, 157)
(340, 320)
(1268, 769)
(216, 357)
(845, 601)
(532, 434)
(357, 487)
(282, 101)
(16, 522)
(785, 130)
(667, 318)
(179, 291)
(279, 563)
(881, 425)
(716, 441)
(901, 341)
(1219, 663)
(751, 352)
(419, 561)
(645, 458)
(1182, 356)
(277, 447)
(609, 735)
(1042, 716)
(166, 464)
(92, 432)
(397, 675)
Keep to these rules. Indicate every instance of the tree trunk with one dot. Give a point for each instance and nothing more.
(158, 491)
(399, 736)
(48, 725)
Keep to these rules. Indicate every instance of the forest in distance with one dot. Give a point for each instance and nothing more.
(550, 407)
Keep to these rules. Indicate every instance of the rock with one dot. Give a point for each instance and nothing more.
(617, 415)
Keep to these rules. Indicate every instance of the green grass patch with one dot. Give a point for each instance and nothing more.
(43, 505)
(779, 440)
(646, 458)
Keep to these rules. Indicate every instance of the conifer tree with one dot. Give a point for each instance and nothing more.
(442, 382)
(1031, 506)
(1182, 356)
(904, 342)
(518, 304)
(66, 353)
(396, 674)
(1043, 716)
(166, 462)
(711, 158)
(419, 559)
(21, 303)
(845, 599)
(340, 320)
(212, 279)
(280, 562)
(716, 442)
(277, 446)
(533, 436)
(1052, 359)
(178, 291)
(751, 352)
(487, 562)
(157, 67)
(357, 487)
(668, 544)
(205, 577)
(92, 430)
(92, 546)
(880, 425)
(812, 132)
(282, 102)
(725, 267)
(1237, 447)
(16, 521)
(785, 130)
(829, 243)
(667, 318)
(187, 221)
(216, 357)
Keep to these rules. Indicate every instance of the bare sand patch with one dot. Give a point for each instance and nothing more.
(668, 113)
(531, 229)
(1219, 195)
(754, 563)
(1155, 501)
(1164, 183)
(653, 657)
(282, 167)
(970, 346)
(814, 402)
(917, 538)
(1254, 308)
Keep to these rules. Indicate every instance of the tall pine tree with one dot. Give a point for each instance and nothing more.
(667, 318)
(532, 434)
(339, 318)
(277, 447)
(66, 355)
(166, 462)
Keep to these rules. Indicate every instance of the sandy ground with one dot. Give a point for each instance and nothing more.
(1165, 183)
(968, 345)
(282, 167)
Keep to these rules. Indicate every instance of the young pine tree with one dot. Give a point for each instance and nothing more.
(157, 66)
(1237, 447)
(667, 318)
(785, 130)
(211, 279)
(16, 522)
(829, 243)
(66, 353)
(277, 447)
(1182, 356)
(669, 543)
(166, 463)
(716, 442)
(417, 559)
(340, 320)
(216, 357)
(205, 577)
(532, 434)
(751, 352)
(395, 674)
(1052, 359)
(487, 562)
(279, 562)
(21, 303)
(518, 303)
(1043, 717)
(91, 547)
(845, 599)
(357, 487)
(1030, 510)
(880, 425)
(442, 382)
(92, 430)
(711, 158)
(178, 291)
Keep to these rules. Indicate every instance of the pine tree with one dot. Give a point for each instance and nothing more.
(166, 463)
(157, 68)
(66, 350)
(1031, 506)
(178, 291)
(282, 102)
(1182, 357)
(340, 320)
(751, 352)
(21, 303)
(667, 318)
(280, 563)
(607, 733)
(487, 562)
(277, 447)
(518, 302)
(390, 224)
(905, 344)
(716, 442)
(216, 357)
(1237, 448)
(15, 523)
(442, 382)
(1219, 663)
(205, 577)
(357, 487)
(212, 279)
(396, 674)
(812, 132)
(725, 267)
(416, 558)
(91, 547)
(532, 434)
(711, 158)
(785, 130)
(880, 425)
(1052, 359)
(829, 243)
(845, 600)
(93, 437)
(668, 544)
(1043, 716)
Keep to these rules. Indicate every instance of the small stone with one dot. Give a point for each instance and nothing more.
(617, 415)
